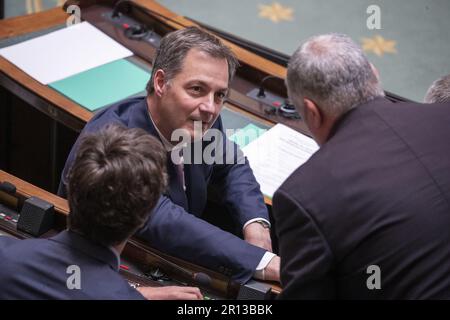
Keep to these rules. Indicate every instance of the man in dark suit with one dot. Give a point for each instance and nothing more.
(191, 74)
(114, 183)
(368, 215)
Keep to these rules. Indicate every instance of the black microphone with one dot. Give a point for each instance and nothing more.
(202, 279)
(8, 187)
(197, 278)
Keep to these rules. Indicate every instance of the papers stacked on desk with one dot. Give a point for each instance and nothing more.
(63, 53)
(104, 85)
(276, 154)
(82, 63)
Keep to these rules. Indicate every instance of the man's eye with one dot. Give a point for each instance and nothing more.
(220, 95)
(196, 89)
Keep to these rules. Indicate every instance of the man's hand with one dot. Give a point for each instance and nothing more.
(171, 293)
(255, 233)
(272, 270)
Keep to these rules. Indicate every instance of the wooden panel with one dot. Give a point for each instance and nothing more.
(21, 25)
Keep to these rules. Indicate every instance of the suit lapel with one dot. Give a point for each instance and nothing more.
(196, 190)
(176, 192)
(141, 119)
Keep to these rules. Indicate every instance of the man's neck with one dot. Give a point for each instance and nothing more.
(323, 133)
(152, 106)
(119, 248)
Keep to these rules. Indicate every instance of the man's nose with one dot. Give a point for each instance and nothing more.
(208, 104)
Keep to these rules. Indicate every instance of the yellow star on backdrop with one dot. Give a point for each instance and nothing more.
(275, 12)
(379, 45)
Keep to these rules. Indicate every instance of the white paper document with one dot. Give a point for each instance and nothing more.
(63, 53)
(276, 154)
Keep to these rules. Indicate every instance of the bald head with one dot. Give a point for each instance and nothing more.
(333, 71)
(439, 92)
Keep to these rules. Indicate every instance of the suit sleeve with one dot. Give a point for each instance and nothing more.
(6, 241)
(174, 231)
(306, 258)
(234, 179)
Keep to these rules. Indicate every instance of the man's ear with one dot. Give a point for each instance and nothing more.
(375, 71)
(313, 115)
(159, 82)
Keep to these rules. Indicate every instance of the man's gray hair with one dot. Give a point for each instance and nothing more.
(175, 46)
(332, 71)
(439, 92)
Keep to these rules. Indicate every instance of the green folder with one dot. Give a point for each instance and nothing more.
(246, 135)
(104, 85)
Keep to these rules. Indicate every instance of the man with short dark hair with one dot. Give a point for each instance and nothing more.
(114, 183)
(191, 76)
(367, 216)
(439, 91)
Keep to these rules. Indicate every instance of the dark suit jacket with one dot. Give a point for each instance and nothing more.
(376, 193)
(37, 269)
(175, 226)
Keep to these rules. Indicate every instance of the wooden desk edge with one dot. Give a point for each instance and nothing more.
(27, 189)
(17, 26)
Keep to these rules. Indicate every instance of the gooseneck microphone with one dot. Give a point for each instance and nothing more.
(262, 91)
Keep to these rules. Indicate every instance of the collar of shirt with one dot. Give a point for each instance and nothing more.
(79, 242)
(166, 143)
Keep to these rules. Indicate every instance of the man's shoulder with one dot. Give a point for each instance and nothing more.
(317, 175)
(405, 112)
(15, 248)
(120, 112)
(43, 266)
(10, 242)
(4, 239)
(312, 171)
(362, 141)
(15, 253)
(349, 142)
(6, 242)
